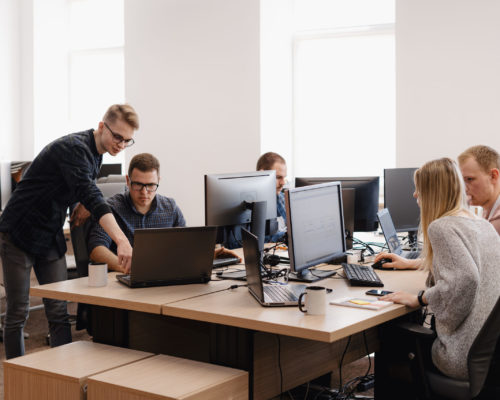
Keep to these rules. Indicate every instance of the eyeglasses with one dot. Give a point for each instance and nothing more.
(150, 187)
(119, 138)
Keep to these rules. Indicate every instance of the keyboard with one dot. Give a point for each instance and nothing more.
(224, 262)
(361, 275)
(279, 294)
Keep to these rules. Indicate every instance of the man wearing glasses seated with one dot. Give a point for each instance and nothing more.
(139, 207)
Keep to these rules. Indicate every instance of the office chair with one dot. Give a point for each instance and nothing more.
(483, 361)
(79, 238)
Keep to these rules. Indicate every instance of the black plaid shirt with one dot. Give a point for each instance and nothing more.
(164, 213)
(62, 174)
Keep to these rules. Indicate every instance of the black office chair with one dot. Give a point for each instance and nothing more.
(79, 238)
(483, 363)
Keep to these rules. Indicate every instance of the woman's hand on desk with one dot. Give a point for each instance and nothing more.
(404, 298)
(398, 262)
(222, 252)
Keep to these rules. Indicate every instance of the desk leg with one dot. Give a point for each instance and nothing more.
(393, 378)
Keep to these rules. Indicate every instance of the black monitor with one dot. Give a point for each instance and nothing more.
(366, 198)
(315, 227)
(399, 187)
(110, 169)
(233, 201)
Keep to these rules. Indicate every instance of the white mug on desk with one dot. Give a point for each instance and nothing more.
(98, 275)
(315, 300)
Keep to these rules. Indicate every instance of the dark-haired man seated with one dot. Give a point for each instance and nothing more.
(139, 207)
(273, 161)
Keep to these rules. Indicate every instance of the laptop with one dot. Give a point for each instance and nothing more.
(266, 295)
(171, 256)
(391, 236)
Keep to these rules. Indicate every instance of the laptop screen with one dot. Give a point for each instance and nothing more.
(390, 234)
(252, 263)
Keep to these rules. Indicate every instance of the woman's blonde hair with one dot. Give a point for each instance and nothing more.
(440, 188)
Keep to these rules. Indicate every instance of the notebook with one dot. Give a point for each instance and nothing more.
(266, 295)
(171, 256)
(391, 236)
(370, 304)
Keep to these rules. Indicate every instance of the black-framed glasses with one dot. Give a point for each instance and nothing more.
(150, 187)
(119, 138)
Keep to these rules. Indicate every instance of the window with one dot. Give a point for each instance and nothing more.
(343, 88)
(96, 62)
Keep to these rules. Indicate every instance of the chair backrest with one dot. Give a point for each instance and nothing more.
(80, 234)
(112, 179)
(482, 351)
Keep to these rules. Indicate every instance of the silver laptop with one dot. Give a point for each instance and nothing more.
(266, 295)
(171, 256)
(391, 236)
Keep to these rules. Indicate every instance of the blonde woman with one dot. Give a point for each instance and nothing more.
(461, 253)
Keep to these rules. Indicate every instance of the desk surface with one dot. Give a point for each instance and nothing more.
(116, 295)
(238, 308)
(211, 303)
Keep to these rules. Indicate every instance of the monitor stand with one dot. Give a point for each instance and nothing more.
(306, 275)
(413, 240)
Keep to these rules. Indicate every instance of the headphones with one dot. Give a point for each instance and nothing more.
(271, 259)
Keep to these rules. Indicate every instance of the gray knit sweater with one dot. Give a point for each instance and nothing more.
(466, 287)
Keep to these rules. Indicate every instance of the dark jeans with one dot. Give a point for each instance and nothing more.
(17, 266)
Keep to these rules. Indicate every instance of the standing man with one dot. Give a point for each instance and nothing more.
(273, 161)
(31, 225)
(139, 207)
(480, 166)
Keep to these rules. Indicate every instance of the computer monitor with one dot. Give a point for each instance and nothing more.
(5, 184)
(110, 169)
(366, 198)
(233, 201)
(399, 187)
(315, 229)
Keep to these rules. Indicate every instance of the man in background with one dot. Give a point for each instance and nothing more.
(480, 166)
(273, 161)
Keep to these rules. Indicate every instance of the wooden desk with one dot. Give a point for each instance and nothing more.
(116, 295)
(230, 328)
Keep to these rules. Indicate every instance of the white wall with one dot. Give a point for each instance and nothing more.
(10, 64)
(192, 73)
(448, 80)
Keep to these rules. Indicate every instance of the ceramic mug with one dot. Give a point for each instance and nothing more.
(315, 300)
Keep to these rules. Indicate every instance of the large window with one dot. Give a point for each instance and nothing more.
(343, 87)
(96, 62)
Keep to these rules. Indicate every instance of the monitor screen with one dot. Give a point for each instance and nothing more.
(399, 187)
(365, 202)
(236, 200)
(315, 228)
(110, 169)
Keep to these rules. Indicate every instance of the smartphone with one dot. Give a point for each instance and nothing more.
(378, 292)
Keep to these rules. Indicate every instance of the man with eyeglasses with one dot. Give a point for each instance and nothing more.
(31, 234)
(139, 207)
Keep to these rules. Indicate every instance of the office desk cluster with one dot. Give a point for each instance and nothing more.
(212, 323)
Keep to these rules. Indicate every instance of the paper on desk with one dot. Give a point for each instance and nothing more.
(370, 304)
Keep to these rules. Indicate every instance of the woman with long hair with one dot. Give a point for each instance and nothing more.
(461, 252)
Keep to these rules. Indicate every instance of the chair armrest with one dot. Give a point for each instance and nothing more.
(415, 329)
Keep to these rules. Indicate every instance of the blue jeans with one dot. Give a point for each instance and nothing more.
(17, 266)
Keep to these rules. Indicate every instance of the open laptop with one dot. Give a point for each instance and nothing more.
(391, 236)
(171, 256)
(266, 295)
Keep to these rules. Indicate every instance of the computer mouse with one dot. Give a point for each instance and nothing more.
(379, 263)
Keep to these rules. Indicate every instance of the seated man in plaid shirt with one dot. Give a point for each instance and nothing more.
(139, 207)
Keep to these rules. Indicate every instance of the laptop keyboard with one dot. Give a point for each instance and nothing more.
(361, 275)
(223, 262)
(279, 294)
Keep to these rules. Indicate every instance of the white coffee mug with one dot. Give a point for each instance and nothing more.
(98, 275)
(315, 303)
